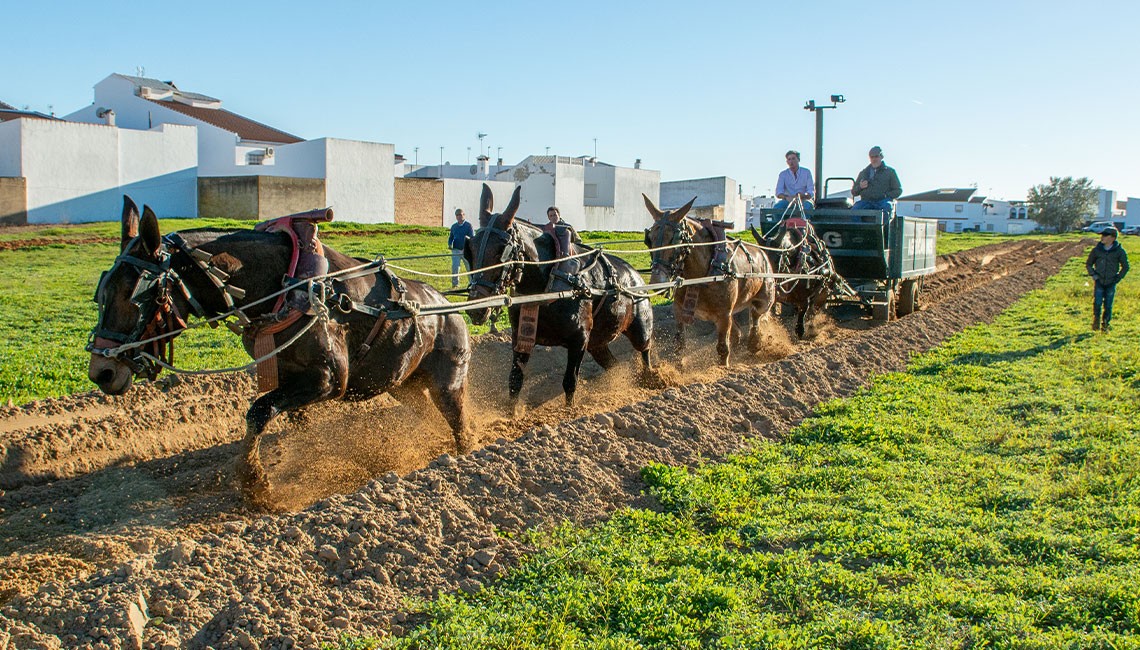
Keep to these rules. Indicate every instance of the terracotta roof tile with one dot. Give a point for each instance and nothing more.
(244, 127)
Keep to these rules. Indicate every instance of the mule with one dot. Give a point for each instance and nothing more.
(588, 322)
(792, 250)
(715, 301)
(347, 353)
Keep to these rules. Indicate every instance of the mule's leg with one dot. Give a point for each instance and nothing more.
(448, 389)
(755, 317)
(640, 335)
(604, 356)
(575, 352)
(301, 390)
(679, 343)
(723, 332)
(515, 380)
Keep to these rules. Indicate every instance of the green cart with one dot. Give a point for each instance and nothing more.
(884, 258)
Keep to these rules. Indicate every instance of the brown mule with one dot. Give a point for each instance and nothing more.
(347, 354)
(714, 301)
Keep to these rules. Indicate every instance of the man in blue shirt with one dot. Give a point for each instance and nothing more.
(461, 230)
(793, 182)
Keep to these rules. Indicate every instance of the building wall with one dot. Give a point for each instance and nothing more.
(258, 197)
(536, 177)
(419, 201)
(79, 172)
(13, 201)
(360, 180)
(629, 208)
(1106, 203)
(1132, 212)
(465, 194)
(717, 191)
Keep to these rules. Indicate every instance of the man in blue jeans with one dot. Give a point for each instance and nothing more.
(461, 230)
(1107, 265)
(877, 185)
(794, 182)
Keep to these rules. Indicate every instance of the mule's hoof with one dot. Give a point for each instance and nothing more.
(464, 444)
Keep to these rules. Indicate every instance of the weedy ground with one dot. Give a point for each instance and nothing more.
(46, 312)
(988, 497)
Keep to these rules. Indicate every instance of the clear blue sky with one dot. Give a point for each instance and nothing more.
(1002, 94)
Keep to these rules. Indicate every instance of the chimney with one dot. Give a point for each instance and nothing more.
(500, 163)
(107, 114)
(485, 166)
(637, 164)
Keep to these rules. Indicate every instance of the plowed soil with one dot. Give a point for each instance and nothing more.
(116, 511)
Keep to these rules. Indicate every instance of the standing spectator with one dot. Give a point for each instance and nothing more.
(877, 185)
(461, 231)
(793, 182)
(1107, 264)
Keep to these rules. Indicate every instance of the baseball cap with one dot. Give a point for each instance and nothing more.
(1110, 231)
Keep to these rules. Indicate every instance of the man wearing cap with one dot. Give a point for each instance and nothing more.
(1107, 264)
(877, 185)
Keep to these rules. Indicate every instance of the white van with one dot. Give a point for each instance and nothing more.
(1099, 226)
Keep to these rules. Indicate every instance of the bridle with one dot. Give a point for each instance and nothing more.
(679, 235)
(512, 253)
(151, 339)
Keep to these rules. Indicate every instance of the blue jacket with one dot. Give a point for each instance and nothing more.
(459, 234)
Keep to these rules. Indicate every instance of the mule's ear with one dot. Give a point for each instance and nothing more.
(486, 204)
(680, 212)
(652, 208)
(148, 229)
(512, 208)
(130, 222)
(757, 236)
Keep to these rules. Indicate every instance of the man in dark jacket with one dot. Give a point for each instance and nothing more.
(877, 185)
(1107, 264)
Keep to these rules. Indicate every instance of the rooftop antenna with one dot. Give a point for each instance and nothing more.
(480, 135)
(140, 71)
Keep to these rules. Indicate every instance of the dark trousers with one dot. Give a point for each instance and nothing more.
(1103, 295)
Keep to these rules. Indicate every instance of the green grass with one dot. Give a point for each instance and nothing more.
(988, 497)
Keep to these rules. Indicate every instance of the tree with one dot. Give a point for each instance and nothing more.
(1063, 203)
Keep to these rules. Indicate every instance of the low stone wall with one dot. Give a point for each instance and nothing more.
(13, 201)
(258, 197)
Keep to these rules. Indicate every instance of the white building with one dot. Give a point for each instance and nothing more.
(1132, 212)
(717, 198)
(961, 208)
(589, 194)
(1105, 205)
(354, 177)
(68, 172)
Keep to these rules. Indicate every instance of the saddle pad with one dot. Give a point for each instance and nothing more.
(528, 328)
(689, 305)
(266, 370)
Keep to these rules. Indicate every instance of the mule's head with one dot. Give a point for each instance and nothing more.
(669, 228)
(129, 298)
(494, 243)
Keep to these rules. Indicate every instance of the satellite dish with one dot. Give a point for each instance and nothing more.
(474, 169)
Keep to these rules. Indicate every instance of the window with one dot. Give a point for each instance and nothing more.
(1021, 213)
(918, 207)
(958, 227)
(255, 158)
(591, 190)
(1013, 213)
(959, 208)
(989, 227)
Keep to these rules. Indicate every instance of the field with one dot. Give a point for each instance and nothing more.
(987, 497)
(48, 275)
